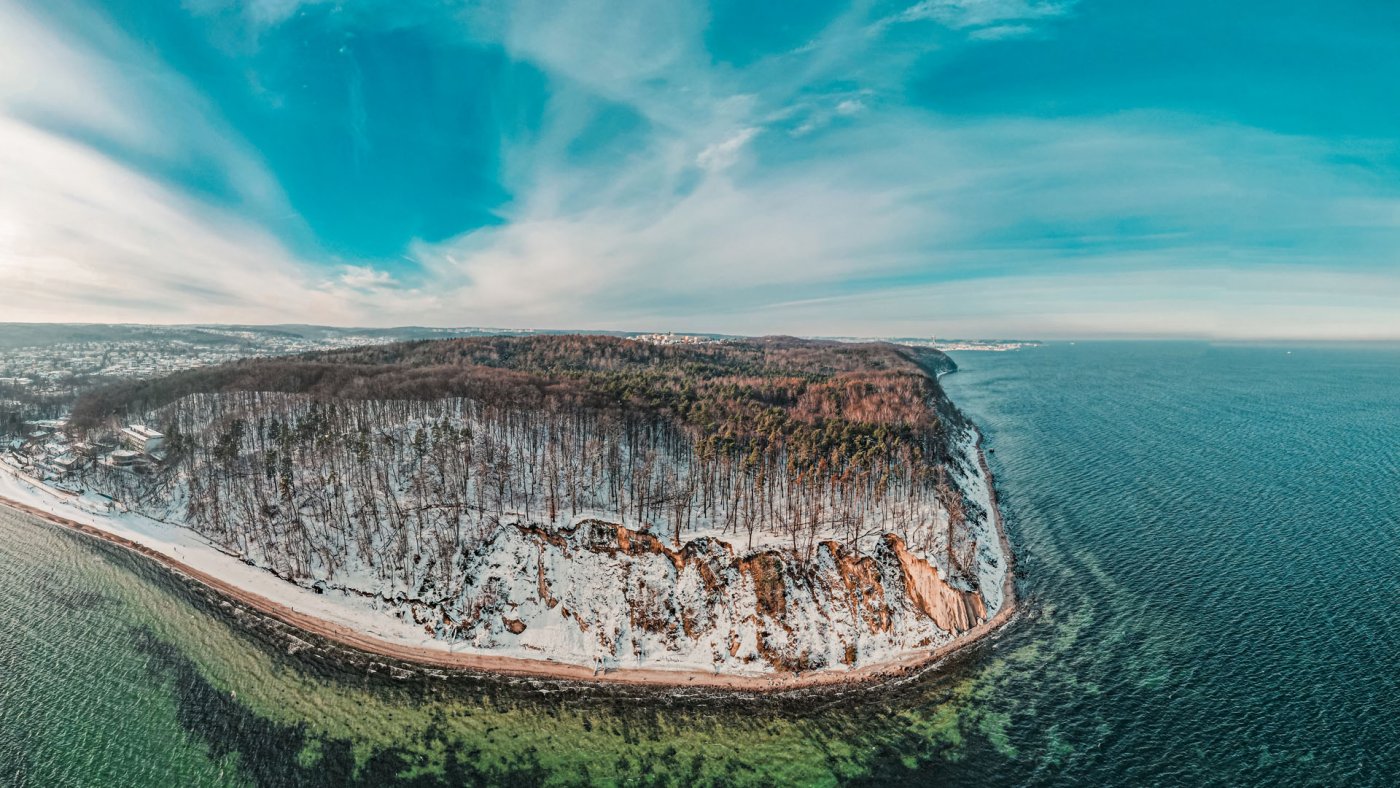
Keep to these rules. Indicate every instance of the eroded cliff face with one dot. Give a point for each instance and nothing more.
(606, 595)
(603, 595)
(953, 610)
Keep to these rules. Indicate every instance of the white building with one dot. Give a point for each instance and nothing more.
(142, 438)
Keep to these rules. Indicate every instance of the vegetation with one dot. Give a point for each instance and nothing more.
(406, 457)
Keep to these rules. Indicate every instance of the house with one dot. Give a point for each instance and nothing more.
(59, 466)
(68, 463)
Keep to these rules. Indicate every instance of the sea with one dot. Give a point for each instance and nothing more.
(1208, 545)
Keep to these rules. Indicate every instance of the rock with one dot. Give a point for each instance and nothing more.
(951, 609)
(635, 599)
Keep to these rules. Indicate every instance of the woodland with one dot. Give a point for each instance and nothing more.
(401, 460)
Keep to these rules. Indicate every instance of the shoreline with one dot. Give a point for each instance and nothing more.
(368, 643)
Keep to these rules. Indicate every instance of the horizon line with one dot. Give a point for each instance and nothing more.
(1055, 338)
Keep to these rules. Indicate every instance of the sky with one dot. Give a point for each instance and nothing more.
(973, 168)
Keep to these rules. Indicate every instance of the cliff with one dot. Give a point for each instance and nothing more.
(750, 507)
(606, 596)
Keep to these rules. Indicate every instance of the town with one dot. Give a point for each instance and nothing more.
(47, 455)
(43, 368)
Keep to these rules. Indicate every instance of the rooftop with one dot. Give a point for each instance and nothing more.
(144, 432)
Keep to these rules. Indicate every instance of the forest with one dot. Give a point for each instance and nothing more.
(400, 460)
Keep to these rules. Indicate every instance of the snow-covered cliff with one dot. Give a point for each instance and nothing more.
(602, 595)
(751, 507)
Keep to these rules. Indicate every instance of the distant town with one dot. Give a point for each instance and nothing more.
(985, 345)
(43, 368)
(55, 362)
(676, 339)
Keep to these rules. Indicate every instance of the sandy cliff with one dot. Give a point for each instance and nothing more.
(602, 595)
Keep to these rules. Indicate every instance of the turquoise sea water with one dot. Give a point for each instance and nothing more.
(1209, 547)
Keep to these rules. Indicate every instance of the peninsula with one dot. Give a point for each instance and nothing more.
(745, 513)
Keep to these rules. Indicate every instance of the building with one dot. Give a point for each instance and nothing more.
(125, 459)
(142, 438)
(62, 465)
(673, 339)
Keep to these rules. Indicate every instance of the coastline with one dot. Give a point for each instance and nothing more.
(444, 658)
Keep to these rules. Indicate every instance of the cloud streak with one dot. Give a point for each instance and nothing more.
(799, 193)
(980, 14)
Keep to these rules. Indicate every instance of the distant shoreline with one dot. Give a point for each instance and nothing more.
(542, 668)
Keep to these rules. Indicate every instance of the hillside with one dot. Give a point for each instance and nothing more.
(750, 505)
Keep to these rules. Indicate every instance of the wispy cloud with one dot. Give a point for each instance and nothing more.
(962, 14)
(954, 220)
(1151, 299)
(799, 193)
(1000, 32)
(88, 234)
(88, 239)
(722, 155)
(850, 107)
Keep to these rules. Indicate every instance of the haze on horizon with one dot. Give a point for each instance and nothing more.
(1039, 168)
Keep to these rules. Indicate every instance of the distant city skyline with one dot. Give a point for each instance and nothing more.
(964, 168)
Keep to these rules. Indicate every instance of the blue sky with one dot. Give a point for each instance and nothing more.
(1043, 168)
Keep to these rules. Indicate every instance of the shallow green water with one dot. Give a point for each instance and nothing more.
(1209, 541)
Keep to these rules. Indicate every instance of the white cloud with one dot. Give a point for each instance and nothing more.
(92, 240)
(1000, 32)
(984, 20)
(936, 211)
(1164, 300)
(89, 237)
(649, 56)
(900, 222)
(92, 81)
(49, 76)
(361, 277)
(961, 14)
(850, 107)
(722, 155)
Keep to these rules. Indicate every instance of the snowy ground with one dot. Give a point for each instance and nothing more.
(991, 560)
(189, 548)
(550, 633)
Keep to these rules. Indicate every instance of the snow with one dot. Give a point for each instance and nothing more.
(637, 609)
(609, 609)
(991, 560)
(189, 548)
